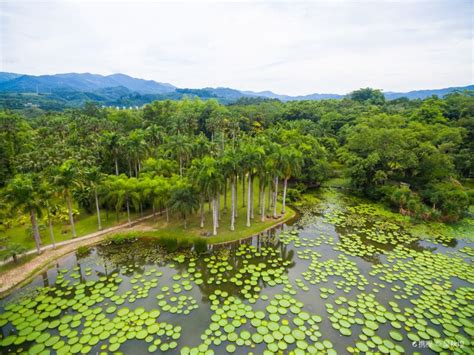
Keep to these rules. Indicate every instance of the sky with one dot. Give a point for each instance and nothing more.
(292, 48)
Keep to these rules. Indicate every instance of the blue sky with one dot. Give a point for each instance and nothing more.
(287, 47)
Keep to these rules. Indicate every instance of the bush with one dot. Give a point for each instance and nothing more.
(83, 251)
(119, 239)
(169, 243)
(200, 245)
(449, 198)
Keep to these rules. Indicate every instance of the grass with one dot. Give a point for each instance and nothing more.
(85, 224)
(21, 260)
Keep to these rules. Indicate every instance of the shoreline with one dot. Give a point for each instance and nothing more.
(17, 277)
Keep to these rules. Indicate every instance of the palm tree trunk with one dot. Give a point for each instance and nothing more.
(51, 232)
(116, 166)
(285, 183)
(201, 209)
(243, 190)
(180, 165)
(34, 225)
(249, 207)
(225, 195)
(214, 216)
(128, 211)
(71, 217)
(269, 196)
(263, 205)
(218, 205)
(259, 203)
(98, 209)
(251, 200)
(232, 204)
(275, 194)
(236, 185)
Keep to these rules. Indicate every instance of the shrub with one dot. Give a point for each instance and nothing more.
(119, 239)
(200, 245)
(83, 251)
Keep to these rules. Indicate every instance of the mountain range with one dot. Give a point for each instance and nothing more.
(73, 89)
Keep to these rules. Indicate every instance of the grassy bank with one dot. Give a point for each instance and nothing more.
(85, 224)
(159, 227)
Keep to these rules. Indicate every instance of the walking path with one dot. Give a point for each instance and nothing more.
(21, 274)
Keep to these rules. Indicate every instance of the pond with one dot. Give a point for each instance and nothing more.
(346, 276)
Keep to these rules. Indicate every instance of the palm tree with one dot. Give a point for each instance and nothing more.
(184, 200)
(48, 194)
(123, 190)
(251, 155)
(213, 180)
(111, 143)
(136, 149)
(66, 178)
(154, 135)
(23, 192)
(231, 165)
(181, 147)
(291, 162)
(94, 178)
(276, 157)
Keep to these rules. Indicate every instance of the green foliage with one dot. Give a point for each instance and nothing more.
(10, 249)
(176, 155)
(83, 251)
(368, 95)
(449, 197)
(122, 238)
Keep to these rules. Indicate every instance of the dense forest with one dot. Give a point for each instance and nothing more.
(178, 156)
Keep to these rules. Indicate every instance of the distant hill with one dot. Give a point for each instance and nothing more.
(421, 94)
(85, 82)
(59, 91)
(271, 95)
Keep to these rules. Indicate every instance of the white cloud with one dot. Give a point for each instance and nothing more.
(290, 48)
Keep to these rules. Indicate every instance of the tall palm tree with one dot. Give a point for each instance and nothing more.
(93, 178)
(181, 147)
(251, 155)
(123, 190)
(49, 196)
(231, 165)
(66, 177)
(112, 145)
(276, 157)
(184, 201)
(291, 162)
(23, 192)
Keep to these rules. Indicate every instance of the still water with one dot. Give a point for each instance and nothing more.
(345, 276)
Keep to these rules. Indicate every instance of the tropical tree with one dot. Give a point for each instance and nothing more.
(180, 147)
(291, 162)
(122, 190)
(231, 166)
(23, 193)
(184, 201)
(211, 179)
(251, 155)
(66, 177)
(93, 178)
(112, 145)
(48, 193)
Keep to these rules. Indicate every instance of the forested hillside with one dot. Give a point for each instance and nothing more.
(413, 155)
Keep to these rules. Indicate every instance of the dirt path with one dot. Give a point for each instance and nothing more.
(21, 274)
